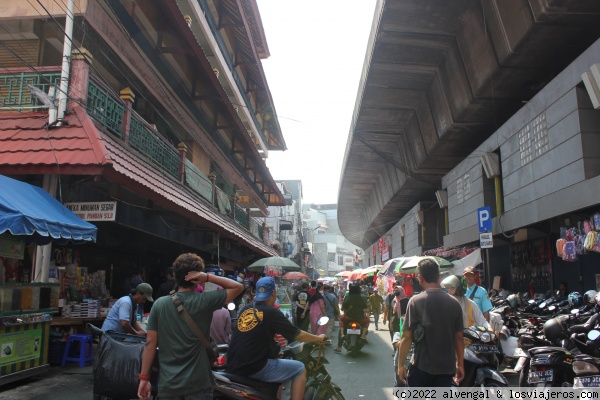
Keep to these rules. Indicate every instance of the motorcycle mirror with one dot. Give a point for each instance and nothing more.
(323, 321)
(593, 334)
(551, 308)
(231, 306)
(575, 311)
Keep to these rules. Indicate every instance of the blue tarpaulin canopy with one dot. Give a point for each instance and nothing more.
(30, 210)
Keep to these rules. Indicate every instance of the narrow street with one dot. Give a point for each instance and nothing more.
(365, 376)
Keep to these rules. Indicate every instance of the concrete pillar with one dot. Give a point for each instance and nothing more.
(213, 178)
(81, 59)
(128, 97)
(182, 148)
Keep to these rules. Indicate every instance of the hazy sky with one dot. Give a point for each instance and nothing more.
(317, 53)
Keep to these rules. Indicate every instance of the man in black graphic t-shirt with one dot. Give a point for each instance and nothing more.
(253, 351)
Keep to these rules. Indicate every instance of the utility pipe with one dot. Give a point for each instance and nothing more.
(64, 75)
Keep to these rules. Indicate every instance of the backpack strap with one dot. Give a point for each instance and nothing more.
(473, 292)
(188, 319)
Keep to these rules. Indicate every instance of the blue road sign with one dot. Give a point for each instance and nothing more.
(484, 219)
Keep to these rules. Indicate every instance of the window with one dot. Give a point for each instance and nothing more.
(340, 260)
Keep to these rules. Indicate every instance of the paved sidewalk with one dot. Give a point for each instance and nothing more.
(69, 383)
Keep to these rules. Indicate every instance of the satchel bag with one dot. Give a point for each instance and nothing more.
(210, 346)
(336, 310)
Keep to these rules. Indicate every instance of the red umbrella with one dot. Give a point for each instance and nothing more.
(356, 274)
(294, 275)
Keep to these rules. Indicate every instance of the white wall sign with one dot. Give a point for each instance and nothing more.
(94, 211)
(486, 241)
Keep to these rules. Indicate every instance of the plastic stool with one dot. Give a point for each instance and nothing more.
(85, 349)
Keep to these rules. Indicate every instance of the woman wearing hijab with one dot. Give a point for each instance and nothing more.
(316, 306)
(472, 315)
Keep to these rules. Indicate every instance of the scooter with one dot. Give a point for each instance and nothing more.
(318, 381)
(552, 366)
(587, 367)
(352, 339)
(481, 359)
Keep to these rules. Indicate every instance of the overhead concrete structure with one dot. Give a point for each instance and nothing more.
(439, 78)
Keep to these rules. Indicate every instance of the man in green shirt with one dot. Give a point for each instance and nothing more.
(185, 371)
(376, 303)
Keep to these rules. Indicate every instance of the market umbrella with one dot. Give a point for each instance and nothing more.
(281, 262)
(356, 274)
(410, 266)
(372, 270)
(389, 265)
(344, 274)
(294, 275)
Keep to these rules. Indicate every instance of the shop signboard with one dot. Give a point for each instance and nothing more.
(486, 241)
(94, 211)
(20, 346)
(12, 247)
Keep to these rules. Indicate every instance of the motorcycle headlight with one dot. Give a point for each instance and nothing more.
(582, 367)
(485, 337)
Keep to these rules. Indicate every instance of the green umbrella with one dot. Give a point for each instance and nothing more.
(410, 266)
(282, 262)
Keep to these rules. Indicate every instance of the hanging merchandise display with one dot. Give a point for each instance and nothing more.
(576, 241)
(530, 265)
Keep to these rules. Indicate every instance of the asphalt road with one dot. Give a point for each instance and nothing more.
(369, 374)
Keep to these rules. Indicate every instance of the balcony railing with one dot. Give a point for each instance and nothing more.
(105, 109)
(15, 95)
(110, 112)
(146, 141)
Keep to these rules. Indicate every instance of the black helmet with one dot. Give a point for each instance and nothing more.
(555, 329)
(513, 300)
(589, 297)
(575, 299)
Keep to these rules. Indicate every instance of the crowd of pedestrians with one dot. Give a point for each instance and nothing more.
(429, 323)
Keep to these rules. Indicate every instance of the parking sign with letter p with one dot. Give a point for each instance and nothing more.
(484, 219)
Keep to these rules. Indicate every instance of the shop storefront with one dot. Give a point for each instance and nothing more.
(30, 218)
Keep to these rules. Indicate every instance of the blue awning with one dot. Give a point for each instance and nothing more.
(30, 210)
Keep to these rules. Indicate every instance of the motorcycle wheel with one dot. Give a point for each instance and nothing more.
(310, 393)
(524, 375)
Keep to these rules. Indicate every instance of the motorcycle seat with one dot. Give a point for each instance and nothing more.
(587, 358)
(547, 349)
(244, 380)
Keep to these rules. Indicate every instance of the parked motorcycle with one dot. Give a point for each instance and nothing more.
(481, 359)
(553, 365)
(587, 367)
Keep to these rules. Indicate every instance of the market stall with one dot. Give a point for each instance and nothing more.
(30, 218)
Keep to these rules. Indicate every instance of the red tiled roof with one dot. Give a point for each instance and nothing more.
(27, 147)
(25, 143)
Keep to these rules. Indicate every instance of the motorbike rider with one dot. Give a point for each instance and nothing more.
(472, 315)
(356, 308)
(253, 351)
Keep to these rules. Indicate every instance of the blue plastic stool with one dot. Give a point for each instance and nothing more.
(85, 349)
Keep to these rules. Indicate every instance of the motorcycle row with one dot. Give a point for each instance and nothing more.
(552, 341)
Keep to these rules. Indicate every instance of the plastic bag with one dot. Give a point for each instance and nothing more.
(116, 367)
